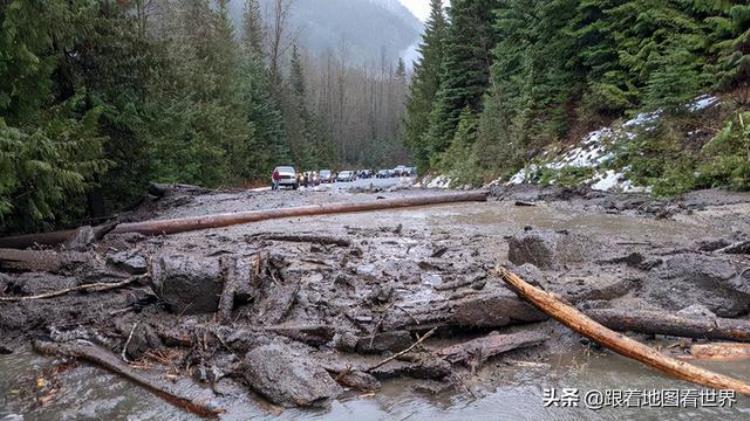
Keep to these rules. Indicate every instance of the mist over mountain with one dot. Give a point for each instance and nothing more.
(362, 31)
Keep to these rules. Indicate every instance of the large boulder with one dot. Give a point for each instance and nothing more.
(188, 284)
(288, 378)
(711, 281)
(547, 249)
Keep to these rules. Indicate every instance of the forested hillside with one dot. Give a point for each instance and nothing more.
(100, 97)
(501, 81)
(365, 31)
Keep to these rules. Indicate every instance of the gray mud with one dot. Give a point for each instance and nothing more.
(347, 307)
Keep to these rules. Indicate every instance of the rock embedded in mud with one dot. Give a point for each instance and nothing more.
(386, 341)
(144, 338)
(358, 380)
(276, 302)
(188, 284)
(127, 261)
(549, 249)
(288, 378)
(711, 281)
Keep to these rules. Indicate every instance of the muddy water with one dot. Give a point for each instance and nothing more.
(88, 393)
(502, 391)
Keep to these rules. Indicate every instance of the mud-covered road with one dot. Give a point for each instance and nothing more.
(323, 300)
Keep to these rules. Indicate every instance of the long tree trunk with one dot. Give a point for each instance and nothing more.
(669, 324)
(579, 322)
(171, 226)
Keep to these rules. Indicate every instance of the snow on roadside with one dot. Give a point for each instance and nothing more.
(596, 150)
(439, 182)
(433, 181)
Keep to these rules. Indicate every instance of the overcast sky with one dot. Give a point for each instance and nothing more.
(420, 8)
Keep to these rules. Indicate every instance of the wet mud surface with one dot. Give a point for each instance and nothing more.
(339, 294)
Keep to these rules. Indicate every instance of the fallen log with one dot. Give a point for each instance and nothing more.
(303, 238)
(171, 226)
(52, 238)
(95, 287)
(39, 260)
(742, 247)
(473, 353)
(109, 361)
(659, 323)
(720, 352)
(579, 322)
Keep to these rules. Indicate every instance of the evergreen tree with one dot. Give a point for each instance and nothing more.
(424, 85)
(465, 69)
(535, 78)
(304, 130)
(731, 40)
(50, 146)
(269, 148)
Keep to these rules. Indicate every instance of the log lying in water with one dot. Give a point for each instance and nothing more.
(720, 352)
(655, 322)
(171, 226)
(579, 322)
(476, 351)
(111, 362)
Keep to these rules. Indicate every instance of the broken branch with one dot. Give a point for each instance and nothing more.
(109, 361)
(95, 287)
(720, 352)
(398, 354)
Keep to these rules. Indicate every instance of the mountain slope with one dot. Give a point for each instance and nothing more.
(363, 31)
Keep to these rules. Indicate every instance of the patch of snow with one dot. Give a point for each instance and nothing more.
(612, 180)
(524, 174)
(643, 120)
(439, 182)
(592, 151)
(609, 181)
(703, 102)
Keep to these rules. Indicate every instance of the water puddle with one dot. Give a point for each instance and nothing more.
(509, 393)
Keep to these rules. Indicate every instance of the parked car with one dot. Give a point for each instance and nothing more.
(284, 176)
(400, 171)
(383, 174)
(326, 176)
(366, 173)
(412, 171)
(346, 176)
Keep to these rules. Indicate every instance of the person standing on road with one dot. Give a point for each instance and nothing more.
(275, 178)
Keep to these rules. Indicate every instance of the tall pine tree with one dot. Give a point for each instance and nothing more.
(424, 85)
(465, 69)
